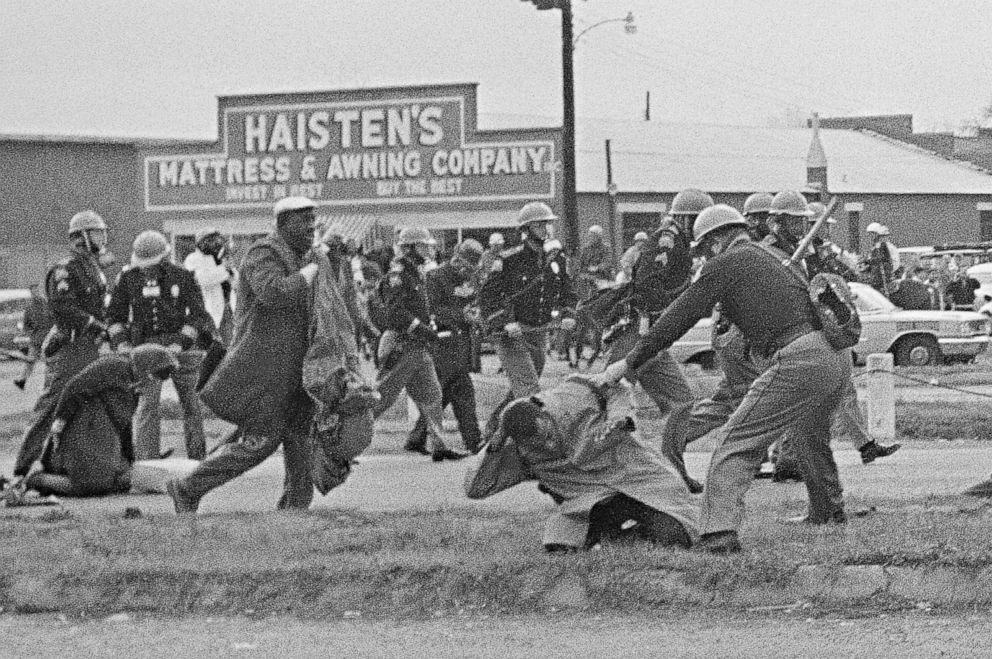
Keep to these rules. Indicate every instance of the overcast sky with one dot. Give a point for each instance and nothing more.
(154, 69)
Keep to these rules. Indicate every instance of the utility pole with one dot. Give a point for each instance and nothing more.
(569, 206)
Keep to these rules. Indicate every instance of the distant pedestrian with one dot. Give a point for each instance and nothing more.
(630, 257)
(210, 266)
(259, 385)
(37, 322)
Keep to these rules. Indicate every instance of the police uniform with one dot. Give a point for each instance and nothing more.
(662, 271)
(162, 304)
(75, 288)
(798, 391)
(449, 295)
(523, 287)
(404, 358)
(848, 422)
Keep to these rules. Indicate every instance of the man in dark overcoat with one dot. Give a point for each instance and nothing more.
(259, 385)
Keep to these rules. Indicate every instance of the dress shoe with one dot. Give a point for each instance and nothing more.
(445, 453)
(182, 502)
(721, 542)
(416, 447)
(695, 487)
(873, 450)
(983, 489)
(838, 517)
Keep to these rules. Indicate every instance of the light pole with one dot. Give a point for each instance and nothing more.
(570, 218)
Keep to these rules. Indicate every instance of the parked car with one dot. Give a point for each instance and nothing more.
(915, 338)
(13, 302)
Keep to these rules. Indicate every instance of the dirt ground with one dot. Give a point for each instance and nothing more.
(673, 635)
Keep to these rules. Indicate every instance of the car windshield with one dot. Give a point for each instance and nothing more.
(868, 300)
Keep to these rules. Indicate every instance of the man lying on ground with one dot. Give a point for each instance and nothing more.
(579, 442)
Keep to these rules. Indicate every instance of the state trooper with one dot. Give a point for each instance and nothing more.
(451, 293)
(157, 301)
(798, 391)
(755, 211)
(404, 358)
(75, 287)
(662, 272)
(789, 216)
(525, 290)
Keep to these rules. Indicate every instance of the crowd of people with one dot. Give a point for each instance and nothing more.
(273, 348)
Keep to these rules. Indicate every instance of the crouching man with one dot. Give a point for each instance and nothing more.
(578, 441)
(89, 451)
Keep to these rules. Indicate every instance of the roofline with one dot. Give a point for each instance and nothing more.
(52, 138)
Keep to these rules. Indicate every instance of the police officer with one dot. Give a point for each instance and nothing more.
(661, 273)
(756, 209)
(524, 291)
(789, 216)
(404, 358)
(157, 301)
(75, 288)
(451, 293)
(800, 389)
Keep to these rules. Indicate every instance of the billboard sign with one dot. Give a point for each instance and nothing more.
(405, 146)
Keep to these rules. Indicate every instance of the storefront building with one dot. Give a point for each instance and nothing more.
(374, 161)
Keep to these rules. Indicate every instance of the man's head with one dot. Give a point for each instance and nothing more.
(295, 222)
(640, 238)
(535, 220)
(526, 422)
(496, 241)
(151, 360)
(595, 234)
(686, 207)
(149, 249)
(756, 209)
(211, 242)
(788, 212)
(416, 242)
(88, 231)
(466, 258)
(874, 230)
(333, 236)
(715, 228)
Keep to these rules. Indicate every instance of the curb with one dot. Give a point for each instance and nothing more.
(435, 590)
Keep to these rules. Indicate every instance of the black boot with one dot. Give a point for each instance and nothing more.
(873, 450)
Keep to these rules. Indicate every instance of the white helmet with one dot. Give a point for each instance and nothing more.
(496, 239)
(640, 235)
(596, 229)
(875, 227)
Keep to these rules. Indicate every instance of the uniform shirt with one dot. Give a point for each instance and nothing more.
(76, 288)
(662, 270)
(755, 293)
(161, 304)
(449, 295)
(404, 295)
(523, 287)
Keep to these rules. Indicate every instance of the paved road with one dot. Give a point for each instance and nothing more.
(678, 634)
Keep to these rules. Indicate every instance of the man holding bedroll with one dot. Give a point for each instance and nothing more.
(799, 390)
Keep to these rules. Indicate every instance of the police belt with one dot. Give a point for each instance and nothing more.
(779, 342)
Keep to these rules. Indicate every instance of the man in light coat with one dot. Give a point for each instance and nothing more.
(579, 442)
(259, 385)
(209, 266)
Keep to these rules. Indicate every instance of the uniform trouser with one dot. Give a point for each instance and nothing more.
(72, 358)
(458, 391)
(799, 392)
(147, 422)
(662, 379)
(522, 359)
(256, 443)
(414, 371)
(848, 423)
